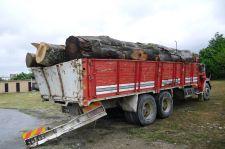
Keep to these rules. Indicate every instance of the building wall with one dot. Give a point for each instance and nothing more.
(23, 85)
(2, 89)
(12, 87)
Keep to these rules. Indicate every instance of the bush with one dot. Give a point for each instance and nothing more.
(23, 76)
(213, 56)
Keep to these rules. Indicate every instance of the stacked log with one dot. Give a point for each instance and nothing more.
(103, 47)
(49, 54)
(106, 47)
(31, 60)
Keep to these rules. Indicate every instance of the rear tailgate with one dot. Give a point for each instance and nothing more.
(61, 82)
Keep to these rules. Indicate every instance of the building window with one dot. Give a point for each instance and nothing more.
(29, 86)
(17, 87)
(6, 87)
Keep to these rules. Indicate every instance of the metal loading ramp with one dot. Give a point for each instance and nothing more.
(73, 124)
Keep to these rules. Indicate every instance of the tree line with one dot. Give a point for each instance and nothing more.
(213, 56)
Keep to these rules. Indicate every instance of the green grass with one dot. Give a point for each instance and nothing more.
(29, 103)
(198, 124)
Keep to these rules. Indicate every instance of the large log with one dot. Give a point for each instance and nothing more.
(49, 54)
(186, 55)
(31, 60)
(106, 47)
(90, 47)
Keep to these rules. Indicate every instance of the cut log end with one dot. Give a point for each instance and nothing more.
(31, 60)
(41, 52)
(138, 54)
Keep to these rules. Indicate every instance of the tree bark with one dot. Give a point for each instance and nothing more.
(106, 47)
(31, 60)
(49, 54)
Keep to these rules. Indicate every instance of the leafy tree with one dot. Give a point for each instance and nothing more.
(213, 56)
(23, 76)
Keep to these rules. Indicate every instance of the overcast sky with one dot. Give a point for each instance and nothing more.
(192, 23)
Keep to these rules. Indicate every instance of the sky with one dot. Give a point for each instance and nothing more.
(192, 23)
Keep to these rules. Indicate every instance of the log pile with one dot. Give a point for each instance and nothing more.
(103, 47)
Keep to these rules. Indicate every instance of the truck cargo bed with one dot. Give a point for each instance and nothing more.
(86, 80)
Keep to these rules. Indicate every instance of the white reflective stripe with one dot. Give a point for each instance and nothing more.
(126, 89)
(164, 82)
(97, 87)
(188, 79)
(142, 87)
(168, 80)
(126, 84)
(195, 79)
(177, 80)
(122, 87)
(149, 82)
(106, 92)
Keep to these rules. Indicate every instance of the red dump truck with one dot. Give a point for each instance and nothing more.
(143, 89)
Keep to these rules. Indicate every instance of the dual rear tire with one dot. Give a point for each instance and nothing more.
(148, 108)
(164, 105)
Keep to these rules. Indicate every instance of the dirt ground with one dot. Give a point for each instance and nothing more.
(193, 124)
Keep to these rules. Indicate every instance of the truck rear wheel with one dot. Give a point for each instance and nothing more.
(146, 111)
(206, 92)
(164, 105)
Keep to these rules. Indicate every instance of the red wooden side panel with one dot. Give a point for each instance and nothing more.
(127, 75)
(195, 73)
(188, 74)
(191, 73)
(110, 77)
(167, 74)
(147, 75)
(178, 73)
(105, 72)
(106, 78)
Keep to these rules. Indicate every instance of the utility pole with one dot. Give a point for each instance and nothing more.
(176, 45)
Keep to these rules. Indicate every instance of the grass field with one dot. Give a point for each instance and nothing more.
(193, 123)
(29, 103)
(198, 124)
